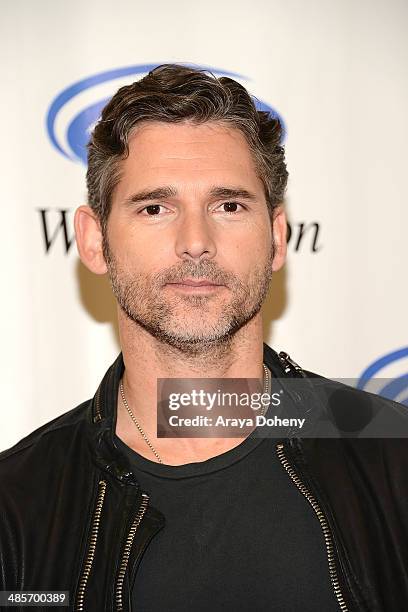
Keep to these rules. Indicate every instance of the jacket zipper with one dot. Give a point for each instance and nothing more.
(323, 523)
(92, 546)
(97, 416)
(126, 554)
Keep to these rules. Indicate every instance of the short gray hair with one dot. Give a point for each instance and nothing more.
(173, 93)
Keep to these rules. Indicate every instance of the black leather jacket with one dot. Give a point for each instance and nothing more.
(73, 516)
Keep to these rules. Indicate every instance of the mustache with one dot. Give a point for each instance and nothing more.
(188, 269)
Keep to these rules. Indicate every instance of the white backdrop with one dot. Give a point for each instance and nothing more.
(337, 74)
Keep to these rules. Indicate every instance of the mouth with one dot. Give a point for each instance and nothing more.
(193, 285)
(191, 282)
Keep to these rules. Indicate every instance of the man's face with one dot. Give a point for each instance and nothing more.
(189, 208)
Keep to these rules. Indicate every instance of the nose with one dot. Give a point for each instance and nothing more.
(195, 236)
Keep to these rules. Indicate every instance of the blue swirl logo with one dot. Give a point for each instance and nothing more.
(73, 113)
(392, 388)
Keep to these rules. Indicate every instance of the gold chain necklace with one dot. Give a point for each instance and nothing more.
(266, 389)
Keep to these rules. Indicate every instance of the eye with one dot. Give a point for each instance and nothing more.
(231, 207)
(152, 210)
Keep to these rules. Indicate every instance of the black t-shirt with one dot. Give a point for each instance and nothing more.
(239, 536)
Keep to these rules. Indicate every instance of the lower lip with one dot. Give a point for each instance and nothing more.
(195, 288)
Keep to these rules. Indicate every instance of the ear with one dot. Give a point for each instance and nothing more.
(88, 237)
(279, 231)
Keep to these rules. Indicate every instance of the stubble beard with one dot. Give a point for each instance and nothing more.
(192, 324)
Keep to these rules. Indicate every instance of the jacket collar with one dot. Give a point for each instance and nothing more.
(102, 413)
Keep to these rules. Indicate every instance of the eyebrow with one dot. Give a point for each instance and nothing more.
(154, 194)
(161, 193)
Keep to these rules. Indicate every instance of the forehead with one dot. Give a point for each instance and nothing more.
(198, 153)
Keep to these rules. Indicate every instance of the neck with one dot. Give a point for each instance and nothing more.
(147, 359)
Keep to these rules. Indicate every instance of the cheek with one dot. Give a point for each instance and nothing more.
(255, 241)
(137, 252)
(249, 250)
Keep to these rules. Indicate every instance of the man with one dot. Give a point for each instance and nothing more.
(186, 182)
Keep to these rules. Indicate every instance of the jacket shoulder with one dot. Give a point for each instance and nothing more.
(328, 385)
(51, 431)
(356, 412)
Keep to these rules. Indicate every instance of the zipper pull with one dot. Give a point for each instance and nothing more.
(123, 475)
(290, 365)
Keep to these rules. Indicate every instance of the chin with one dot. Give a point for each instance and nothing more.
(196, 338)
